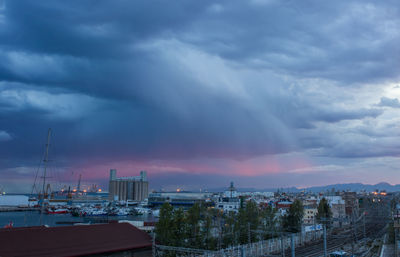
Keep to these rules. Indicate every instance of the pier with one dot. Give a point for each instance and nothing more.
(17, 208)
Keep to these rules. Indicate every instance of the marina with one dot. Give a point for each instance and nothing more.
(21, 211)
(32, 218)
(49, 207)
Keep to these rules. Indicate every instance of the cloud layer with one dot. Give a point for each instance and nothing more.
(205, 82)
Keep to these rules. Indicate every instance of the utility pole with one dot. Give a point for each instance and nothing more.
(395, 242)
(315, 228)
(395, 234)
(154, 243)
(354, 232)
(325, 245)
(282, 248)
(249, 235)
(292, 244)
(365, 234)
(46, 160)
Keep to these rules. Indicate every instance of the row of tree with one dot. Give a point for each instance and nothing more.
(211, 229)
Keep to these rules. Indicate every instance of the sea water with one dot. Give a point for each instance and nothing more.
(32, 218)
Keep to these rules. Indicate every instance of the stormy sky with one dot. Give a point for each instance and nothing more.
(265, 93)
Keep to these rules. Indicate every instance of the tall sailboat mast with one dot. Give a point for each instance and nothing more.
(46, 160)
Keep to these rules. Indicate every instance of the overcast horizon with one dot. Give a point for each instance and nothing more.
(265, 93)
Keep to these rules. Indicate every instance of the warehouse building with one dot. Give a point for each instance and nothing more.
(179, 198)
(128, 188)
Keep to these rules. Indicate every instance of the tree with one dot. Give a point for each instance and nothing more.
(231, 229)
(268, 221)
(252, 217)
(247, 220)
(292, 220)
(206, 230)
(165, 222)
(193, 226)
(178, 228)
(324, 213)
(242, 226)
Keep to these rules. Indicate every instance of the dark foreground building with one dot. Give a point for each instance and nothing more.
(112, 239)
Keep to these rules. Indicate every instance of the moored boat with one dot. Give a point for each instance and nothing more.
(57, 211)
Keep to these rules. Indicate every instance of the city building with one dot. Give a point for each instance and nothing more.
(284, 204)
(229, 201)
(128, 188)
(231, 192)
(351, 204)
(310, 211)
(338, 208)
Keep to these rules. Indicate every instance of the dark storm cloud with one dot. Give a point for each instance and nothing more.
(335, 116)
(146, 79)
(346, 41)
(96, 29)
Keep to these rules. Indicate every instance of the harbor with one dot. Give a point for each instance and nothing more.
(127, 200)
(17, 209)
(21, 211)
(32, 218)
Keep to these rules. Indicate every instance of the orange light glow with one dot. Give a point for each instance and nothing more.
(74, 190)
(99, 190)
(178, 190)
(84, 190)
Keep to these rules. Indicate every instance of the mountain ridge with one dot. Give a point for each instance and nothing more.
(315, 189)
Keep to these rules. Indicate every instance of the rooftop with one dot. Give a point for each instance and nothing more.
(72, 240)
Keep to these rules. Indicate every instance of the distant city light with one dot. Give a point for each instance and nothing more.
(99, 190)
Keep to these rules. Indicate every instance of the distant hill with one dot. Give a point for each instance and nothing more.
(337, 187)
(357, 187)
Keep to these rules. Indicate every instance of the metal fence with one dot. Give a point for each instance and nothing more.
(257, 249)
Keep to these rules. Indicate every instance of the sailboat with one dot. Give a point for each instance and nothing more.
(41, 200)
(44, 194)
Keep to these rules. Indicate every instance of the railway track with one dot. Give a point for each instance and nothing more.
(374, 228)
(376, 219)
(335, 242)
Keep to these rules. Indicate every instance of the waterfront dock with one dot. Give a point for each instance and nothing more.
(17, 208)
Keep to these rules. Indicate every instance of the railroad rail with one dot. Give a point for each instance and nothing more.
(375, 227)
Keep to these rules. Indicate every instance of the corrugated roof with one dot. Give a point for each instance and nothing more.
(71, 240)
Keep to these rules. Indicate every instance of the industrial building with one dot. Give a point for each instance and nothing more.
(128, 188)
(179, 198)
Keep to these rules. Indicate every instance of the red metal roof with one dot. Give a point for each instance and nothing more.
(71, 240)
